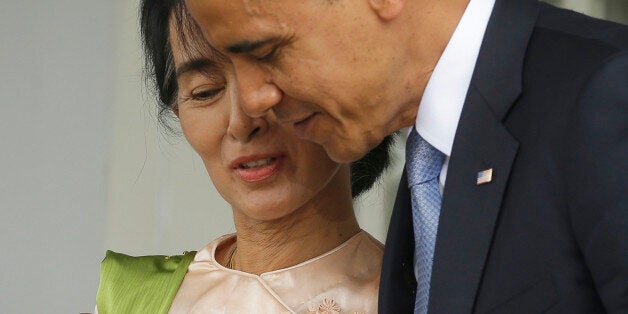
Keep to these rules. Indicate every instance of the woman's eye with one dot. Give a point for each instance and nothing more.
(204, 94)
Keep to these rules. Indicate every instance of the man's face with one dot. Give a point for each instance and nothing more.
(330, 69)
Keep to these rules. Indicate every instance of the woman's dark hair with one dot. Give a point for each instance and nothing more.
(159, 70)
(159, 67)
(366, 170)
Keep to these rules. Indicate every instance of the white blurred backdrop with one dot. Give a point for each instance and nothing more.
(84, 166)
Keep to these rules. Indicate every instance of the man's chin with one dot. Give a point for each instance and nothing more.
(344, 154)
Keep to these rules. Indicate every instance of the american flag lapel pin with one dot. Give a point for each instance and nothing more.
(485, 176)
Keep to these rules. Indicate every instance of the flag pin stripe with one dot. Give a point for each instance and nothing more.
(485, 176)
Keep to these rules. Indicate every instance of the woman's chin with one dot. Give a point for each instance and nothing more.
(269, 211)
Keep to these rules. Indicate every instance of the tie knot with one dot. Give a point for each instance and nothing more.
(423, 161)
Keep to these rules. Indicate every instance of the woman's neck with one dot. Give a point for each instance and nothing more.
(310, 231)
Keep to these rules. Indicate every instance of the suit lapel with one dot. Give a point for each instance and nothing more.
(469, 211)
(397, 284)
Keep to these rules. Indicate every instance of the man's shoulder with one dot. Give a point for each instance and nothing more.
(567, 48)
(572, 24)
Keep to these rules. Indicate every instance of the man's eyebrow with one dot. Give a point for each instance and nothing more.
(194, 65)
(248, 46)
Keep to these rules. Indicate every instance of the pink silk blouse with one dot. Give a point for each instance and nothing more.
(343, 280)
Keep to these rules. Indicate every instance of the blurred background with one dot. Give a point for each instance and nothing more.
(84, 166)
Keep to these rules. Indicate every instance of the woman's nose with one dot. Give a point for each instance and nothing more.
(257, 92)
(243, 128)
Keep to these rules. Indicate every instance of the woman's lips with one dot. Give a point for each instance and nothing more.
(258, 167)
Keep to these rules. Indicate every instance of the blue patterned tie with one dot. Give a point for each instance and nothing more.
(423, 165)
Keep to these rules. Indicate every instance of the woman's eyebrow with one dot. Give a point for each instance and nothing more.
(195, 65)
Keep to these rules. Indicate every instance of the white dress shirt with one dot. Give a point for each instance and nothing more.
(446, 91)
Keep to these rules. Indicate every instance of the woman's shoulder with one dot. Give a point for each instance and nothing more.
(370, 244)
(142, 268)
(371, 239)
(144, 264)
(140, 282)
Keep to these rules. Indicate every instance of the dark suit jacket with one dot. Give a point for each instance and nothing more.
(547, 109)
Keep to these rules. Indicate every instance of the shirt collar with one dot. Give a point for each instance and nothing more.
(446, 91)
(348, 274)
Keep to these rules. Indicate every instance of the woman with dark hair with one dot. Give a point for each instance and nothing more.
(297, 248)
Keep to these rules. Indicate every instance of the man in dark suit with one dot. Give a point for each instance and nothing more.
(525, 107)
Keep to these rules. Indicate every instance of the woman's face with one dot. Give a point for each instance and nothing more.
(257, 165)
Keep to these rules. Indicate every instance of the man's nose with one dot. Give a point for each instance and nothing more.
(258, 93)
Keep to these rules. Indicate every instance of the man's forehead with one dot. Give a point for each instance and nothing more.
(227, 9)
(236, 22)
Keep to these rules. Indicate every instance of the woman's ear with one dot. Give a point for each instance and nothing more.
(387, 10)
(175, 109)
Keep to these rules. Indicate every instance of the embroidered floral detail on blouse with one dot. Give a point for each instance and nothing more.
(328, 306)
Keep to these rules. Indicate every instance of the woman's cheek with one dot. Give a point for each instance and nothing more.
(204, 128)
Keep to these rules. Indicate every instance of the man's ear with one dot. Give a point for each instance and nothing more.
(387, 10)
(175, 109)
